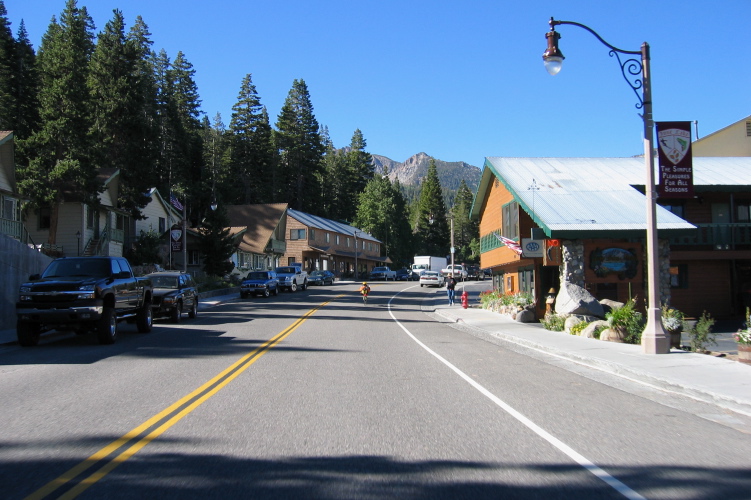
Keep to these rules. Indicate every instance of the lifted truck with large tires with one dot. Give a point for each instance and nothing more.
(83, 295)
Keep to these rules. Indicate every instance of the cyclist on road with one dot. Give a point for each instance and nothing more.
(364, 290)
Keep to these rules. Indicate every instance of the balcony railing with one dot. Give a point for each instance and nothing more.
(12, 228)
(718, 236)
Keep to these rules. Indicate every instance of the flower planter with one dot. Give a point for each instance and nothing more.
(675, 338)
(744, 353)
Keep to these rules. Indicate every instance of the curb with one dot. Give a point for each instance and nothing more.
(620, 370)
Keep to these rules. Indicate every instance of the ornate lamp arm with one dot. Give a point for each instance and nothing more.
(632, 69)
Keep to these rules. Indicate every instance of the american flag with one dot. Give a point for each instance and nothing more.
(175, 202)
(510, 243)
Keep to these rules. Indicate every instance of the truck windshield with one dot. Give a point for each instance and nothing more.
(257, 276)
(68, 268)
(286, 270)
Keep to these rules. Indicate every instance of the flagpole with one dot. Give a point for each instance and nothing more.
(169, 227)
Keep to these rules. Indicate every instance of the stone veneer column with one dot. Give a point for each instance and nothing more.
(572, 266)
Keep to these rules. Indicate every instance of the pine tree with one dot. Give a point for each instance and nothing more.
(402, 248)
(146, 132)
(301, 150)
(7, 72)
(252, 146)
(215, 178)
(466, 230)
(215, 243)
(336, 199)
(120, 130)
(432, 238)
(187, 158)
(25, 88)
(381, 211)
(59, 151)
(167, 122)
(359, 162)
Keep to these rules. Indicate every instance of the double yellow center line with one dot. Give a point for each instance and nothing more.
(159, 423)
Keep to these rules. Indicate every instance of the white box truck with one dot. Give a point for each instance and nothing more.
(427, 263)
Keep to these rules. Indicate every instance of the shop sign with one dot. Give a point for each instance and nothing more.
(532, 248)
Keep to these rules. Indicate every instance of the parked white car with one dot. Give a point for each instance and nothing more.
(432, 278)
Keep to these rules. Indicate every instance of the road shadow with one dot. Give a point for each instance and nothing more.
(372, 477)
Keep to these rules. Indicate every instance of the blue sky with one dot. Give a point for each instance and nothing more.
(457, 80)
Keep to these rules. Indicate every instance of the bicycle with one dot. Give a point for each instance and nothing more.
(364, 291)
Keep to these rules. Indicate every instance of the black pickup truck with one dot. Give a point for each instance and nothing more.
(83, 294)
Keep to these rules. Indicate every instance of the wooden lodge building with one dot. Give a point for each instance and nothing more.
(583, 220)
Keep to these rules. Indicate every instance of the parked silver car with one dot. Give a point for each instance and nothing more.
(432, 278)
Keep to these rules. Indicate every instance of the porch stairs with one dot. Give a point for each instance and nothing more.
(91, 247)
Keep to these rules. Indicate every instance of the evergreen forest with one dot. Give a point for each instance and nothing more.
(86, 102)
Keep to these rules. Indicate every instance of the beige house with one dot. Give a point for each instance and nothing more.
(83, 229)
(10, 200)
(733, 140)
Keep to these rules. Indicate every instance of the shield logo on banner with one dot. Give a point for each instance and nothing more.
(674, 143)
(176, 234)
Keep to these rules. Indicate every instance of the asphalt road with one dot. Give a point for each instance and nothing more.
(315, 395)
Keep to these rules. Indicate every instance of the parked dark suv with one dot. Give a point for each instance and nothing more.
(175, 292)
(259, 283)
(475, 273)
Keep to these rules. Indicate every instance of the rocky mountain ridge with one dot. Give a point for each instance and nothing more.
(415, 168)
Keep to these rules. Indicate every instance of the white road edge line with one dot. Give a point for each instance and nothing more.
(567, 450)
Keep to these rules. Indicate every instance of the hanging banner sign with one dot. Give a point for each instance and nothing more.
(675, 159)
(176, 237)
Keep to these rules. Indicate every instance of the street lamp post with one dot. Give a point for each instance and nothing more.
(78, 238)
(452, 244)
(355, 234)
(637, 74)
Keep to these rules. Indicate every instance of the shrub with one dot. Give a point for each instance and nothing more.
(701, 334)
(743, 336)
(553, 322)
(598, 329)
(494, 298)
(579, 327)
(629, 320)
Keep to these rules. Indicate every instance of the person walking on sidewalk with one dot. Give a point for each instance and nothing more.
(450, 286)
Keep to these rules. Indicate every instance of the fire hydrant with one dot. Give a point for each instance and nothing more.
(465, 299)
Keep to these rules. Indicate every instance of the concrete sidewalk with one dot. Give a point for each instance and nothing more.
(718, 380)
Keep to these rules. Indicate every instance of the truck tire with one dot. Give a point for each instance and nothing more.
(144, 319)
(276, 291)
(266, 294)
(305, 285)
(193, 310)
(28, 334)
(293, 287)
(177, 312)
(106, 328)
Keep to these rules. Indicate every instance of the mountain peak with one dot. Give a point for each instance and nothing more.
(415, 168)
